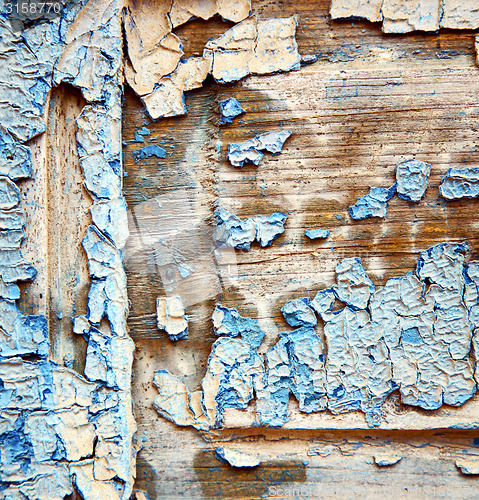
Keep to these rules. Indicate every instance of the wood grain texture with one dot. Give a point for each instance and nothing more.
(369, 102)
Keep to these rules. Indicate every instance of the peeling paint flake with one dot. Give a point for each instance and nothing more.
(229, 109)
(22, 335)
(15, 158)
(460, 14)
(230, 323)
(468, 466)
(170, 315)
(175, 403)
(369, 9)
(323, 302)
(386, 461)
(308, 376)
(148, 152)
(411, 179)
(13, 267)
(233, 232)
(373, 204)
(298, 313)
(99, 146)
(110, 217)
(237, 458)
(234, 371)
(254, 47)
(153, 51)
(354, 287)
(184, 10)
(460, 183)
(167, 98)
(9, 194)
(250, 151)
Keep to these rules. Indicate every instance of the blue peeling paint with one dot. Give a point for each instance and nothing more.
(234, 232)
(230, 323)
(373, 204)
(250, 150)
(314, 234)
(411, 179)
(460, 183)
(148, 152)
(229, 109)
(140, 134)
(298, 313)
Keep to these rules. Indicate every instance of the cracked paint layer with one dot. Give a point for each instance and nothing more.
(234, 371)
(157, 72)
(60, 430)
(154, 52)
(22, 335)
(354, 287)
(298, 313)
(411, 179)
(316, 234)
(460, 183)
(404, 16)
(413, 335)
(250, 150)
(228, 322)
(236, 458)
(254, 46)
(231, 231)
(170, 316)
(373, 204)
(229, 109)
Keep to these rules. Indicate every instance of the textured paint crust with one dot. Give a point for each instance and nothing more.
(393, 338)
(59, 430)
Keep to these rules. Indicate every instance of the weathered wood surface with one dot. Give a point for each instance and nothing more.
(370, 101)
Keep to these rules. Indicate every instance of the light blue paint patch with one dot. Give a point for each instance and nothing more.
(315, 234)
(141, 133)
(411, 179)
(411, 335)
(460, 183)
(298, 313)
(229, 109)
(374, 204)
(234, 232)
(250, 150)
(148, 152)
(230, 323)
(308, 376)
